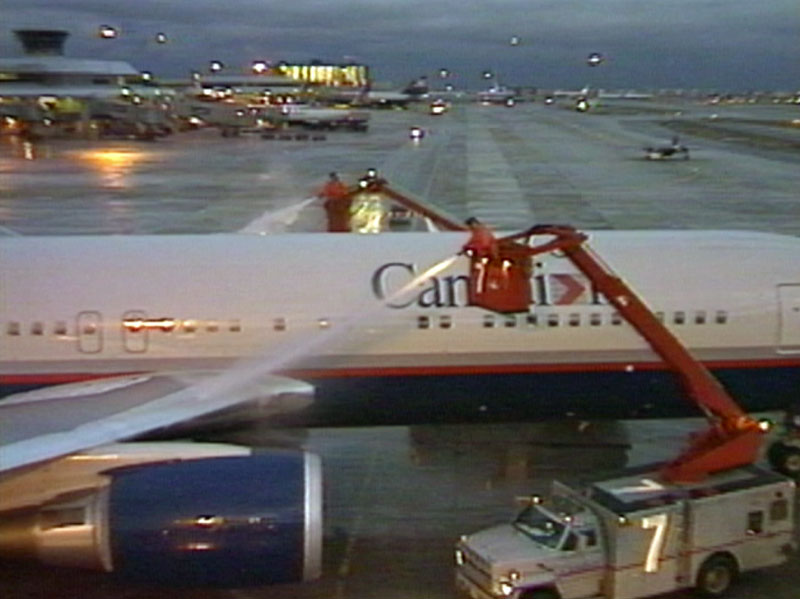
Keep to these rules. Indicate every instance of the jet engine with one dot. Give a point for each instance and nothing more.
(229, 521)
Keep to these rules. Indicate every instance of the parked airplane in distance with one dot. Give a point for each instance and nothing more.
(106, 338)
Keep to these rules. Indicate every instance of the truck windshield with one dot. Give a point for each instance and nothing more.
(540, 526)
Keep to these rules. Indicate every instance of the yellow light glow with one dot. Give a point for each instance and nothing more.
(113, 165)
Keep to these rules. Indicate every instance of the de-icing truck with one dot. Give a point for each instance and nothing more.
(696, 521)
(633, 536)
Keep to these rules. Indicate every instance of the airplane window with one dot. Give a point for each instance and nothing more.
(60, 328)
(660, 316)
(279, 324)
(445, 322)
(532, 320)
(679, 317)
(574, 320)
(510, 321)
(552, 320)
(235, 326)
(595, 319)
(721, 317)
(13, 329)
(189, 326)
(423, 322)
(324, 323)
(212, 326)
(616, 319)
(700, 317)
(37, 328)
(488, 321)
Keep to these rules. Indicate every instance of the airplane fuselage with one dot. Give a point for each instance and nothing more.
(79, 308)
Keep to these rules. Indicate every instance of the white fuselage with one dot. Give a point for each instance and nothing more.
(77, 307)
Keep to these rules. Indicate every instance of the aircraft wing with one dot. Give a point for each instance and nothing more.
(55, 421)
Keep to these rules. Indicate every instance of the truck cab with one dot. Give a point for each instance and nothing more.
(633, 536)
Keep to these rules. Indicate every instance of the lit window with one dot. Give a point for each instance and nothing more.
(13, 329)
(423, 322)
(189, 326)
(679, 317)
(700, 317)
(488, 321)
(445, 322)
(279, 324)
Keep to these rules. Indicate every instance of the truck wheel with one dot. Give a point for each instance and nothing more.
(716, 576)
(785, 459)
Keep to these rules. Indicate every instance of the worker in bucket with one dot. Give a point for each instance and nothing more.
(482, 242)
(336, 201)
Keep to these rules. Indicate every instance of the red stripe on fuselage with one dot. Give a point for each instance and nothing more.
(400, 371)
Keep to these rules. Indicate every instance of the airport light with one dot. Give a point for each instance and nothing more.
(215, 66)
(514, 41)
(488, 75)
(147, 76)
(161, 38)
(260, 67)
(107, 32)
(444, 73)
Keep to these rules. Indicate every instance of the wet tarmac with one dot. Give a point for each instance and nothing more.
(398, 497)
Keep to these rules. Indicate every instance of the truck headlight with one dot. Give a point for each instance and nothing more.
(506, 588)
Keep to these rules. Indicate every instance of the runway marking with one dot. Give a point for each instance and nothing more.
(344, 567)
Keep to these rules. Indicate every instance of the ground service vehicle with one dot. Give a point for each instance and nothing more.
(695, 521)
(633, 536)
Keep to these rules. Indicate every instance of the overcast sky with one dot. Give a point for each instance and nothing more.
(707, 44)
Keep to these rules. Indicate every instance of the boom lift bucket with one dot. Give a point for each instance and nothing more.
(502, 282)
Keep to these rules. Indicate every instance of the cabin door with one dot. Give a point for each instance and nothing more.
(90, 332)
(789, 301)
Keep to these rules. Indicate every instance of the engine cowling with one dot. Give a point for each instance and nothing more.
(221, 521)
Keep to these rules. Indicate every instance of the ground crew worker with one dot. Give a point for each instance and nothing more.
(482, 242)
(337, 201)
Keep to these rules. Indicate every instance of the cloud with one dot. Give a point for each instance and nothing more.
(689, 42)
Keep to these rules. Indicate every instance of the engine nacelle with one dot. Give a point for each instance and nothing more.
(219, 521)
